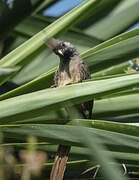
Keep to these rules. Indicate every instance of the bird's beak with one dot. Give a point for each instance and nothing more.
(52, 43)
(60, 52)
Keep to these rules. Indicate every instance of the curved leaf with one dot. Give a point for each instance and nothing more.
(37, 41)
(6, 73)
(117, 20)
(104, 55)
(25, 106)
(114, 51)
(68, 135)
(116, 106)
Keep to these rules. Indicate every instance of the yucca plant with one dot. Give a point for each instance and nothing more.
(29, 108)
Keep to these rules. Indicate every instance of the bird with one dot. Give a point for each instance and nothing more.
(72, 69)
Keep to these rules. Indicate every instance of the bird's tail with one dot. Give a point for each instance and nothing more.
(60, 161)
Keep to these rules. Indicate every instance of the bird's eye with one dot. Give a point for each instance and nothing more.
(63, 44)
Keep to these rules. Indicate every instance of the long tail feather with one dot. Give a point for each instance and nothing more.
(60, 161)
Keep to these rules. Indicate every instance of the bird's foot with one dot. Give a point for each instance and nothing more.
(53, 86)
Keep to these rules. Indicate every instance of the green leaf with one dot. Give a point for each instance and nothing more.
(45, 59)
(116, 106)
(122, 155)
(113, 70)
(37, 103)
(82, 153)
(6, 73)
(103, 10)
(114, 127)
(68, 135)
(123, 93)
(120, 48)
(105, 55)
(59, 26)
(78, 134)
(13, 42)
(14, 10)
(32, 25)
(115, 93)
(95, 146)
(114, 20)
(131, 119)
(114, 51)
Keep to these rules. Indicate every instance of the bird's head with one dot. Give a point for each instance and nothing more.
(64, 50)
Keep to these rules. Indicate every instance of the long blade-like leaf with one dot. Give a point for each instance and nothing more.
(116, 106)
(25, 106)
(114, 51)
(37, 41)
(6, 73)
(104, 55)
(68, 135)
(115, 19)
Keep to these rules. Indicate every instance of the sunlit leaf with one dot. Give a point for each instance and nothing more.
(115, 19)
(37, 41)
(37, 103)
(6, 73)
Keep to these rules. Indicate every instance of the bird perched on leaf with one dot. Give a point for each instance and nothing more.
(71, 69)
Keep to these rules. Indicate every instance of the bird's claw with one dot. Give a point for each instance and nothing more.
(53, 86)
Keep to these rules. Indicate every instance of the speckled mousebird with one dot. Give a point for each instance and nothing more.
(71, 69)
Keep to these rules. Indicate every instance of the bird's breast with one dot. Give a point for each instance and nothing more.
(64, 78)
(69, 74)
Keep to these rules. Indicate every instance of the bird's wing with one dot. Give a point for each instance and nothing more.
(85, 74)
(56, 77)
(80, 68)
(84, 71)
